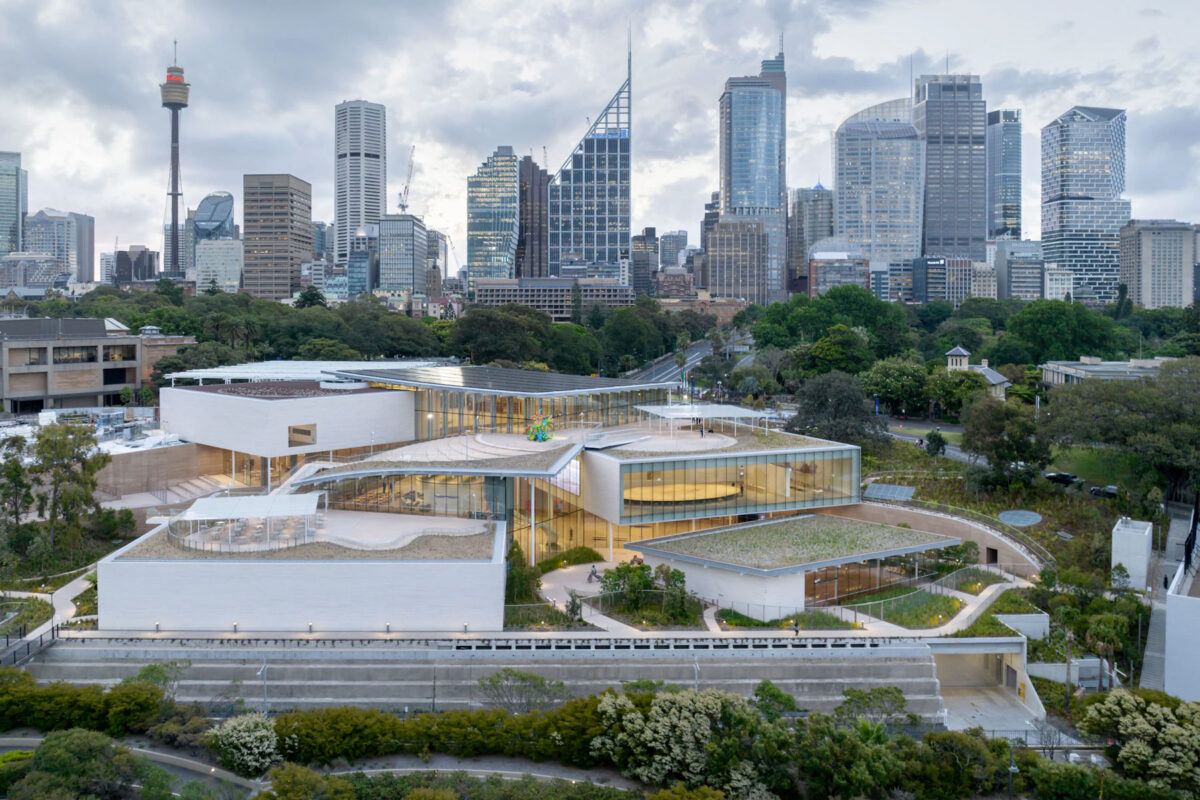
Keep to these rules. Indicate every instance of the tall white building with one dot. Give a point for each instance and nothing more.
(1158, 258)
(219, 261)
(359, 171)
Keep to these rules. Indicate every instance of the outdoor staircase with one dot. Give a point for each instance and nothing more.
(316, 674)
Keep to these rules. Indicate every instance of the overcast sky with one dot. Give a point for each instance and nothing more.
(79, 90)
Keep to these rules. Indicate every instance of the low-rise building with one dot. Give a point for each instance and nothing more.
(1055, 373)
(673, 281)
(957, 358)
(555, 296)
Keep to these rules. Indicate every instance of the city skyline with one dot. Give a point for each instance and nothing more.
(104, 151)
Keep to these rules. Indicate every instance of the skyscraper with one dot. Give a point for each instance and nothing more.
(736, 258)
(1157, 261)
(493, 216)
(67, 236)
(1004, 173)
(1020, 269)
(643, 261)
(277, 232)
(187, 249)
(879, 173)
(753, 164)
(438, 254)
(950, 115)
(174, 93)
(219, 263)
(360, 169)
(670, 245)
(1083, 176)
(810, 220)
(213, 218)
(403, 253)
(532, 236)
(138, 263)
(320, 239)
(589, 195)
(14, 202)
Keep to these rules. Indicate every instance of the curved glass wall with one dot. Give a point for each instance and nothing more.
(751, 484)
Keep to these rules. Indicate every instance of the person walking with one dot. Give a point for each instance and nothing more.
(795, 627)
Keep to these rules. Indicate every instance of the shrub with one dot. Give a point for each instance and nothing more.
(521, 692)
(567, 558)
(133, 707)
(247, 745)
(292, 782)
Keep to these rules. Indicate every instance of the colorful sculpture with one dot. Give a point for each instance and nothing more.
(539, 429)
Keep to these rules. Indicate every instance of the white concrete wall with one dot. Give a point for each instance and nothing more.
(1131, 547)
(352, 595)
(1034, 626)
(755, 596)
(600, 485)
(260, 427)
(1183, 644)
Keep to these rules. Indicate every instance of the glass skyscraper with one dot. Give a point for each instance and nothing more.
(810, 220)
(589, 195)
(879, 165)
(403, 253)
(950, 114)
(360, 170)
(493, 216)
(14, 202)
(643, 263)
(1004, 173)
(67, 236)
(1083, 176)
(753, 164)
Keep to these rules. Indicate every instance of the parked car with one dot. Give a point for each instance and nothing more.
(1104, 491)
(1065, 478)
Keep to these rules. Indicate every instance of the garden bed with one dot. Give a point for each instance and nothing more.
(541, 617)
(809, 621)
(30, 612)
(647, 611)
(915, 608)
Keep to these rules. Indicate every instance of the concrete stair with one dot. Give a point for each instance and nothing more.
(394, 678)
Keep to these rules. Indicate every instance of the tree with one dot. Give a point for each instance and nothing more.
(877, 704)
(16, 485)
(951, 391)
(310, 296)
(294, 782)
(524, 579)
(327, 350)
(247, 745)
(77, 763)
(126, 396)
(522, 692)
(935, 444)
(832, 406)
(576, 304)
(841, 349)
(170, 290)
(772, 701)
(899, 384)
(212, 288)
(1062, 331)
(626, 332)
(147, 396)
(66, 463)
(1006, 435)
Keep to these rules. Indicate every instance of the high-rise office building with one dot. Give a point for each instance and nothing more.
(362, 265)
(219, 263)
(833, 261)
(736, 259)
(493, 216)
(532, 230)
(810, 221)
(644, 262)
(213, 218)
(588, 214)
(320, 240)
(1004, 173)
(879, 173)
(950, 114)
(1019, 269)
(670, 245)
(360, 169)
(753, 164)
(1083, 177)
(67, 236)
(930, 279)
(14, 202)
(437, 251)
(108, 265)
(278, 233)
(1158, 257)
(184, 239)
(403, 253)
(138, 263)
(712, 215)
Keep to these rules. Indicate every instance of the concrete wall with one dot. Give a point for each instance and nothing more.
(158, 468)
(260, 427)
(1131, 546)
(600, 485)
(963, 529)
(1034, 626)
(277, 595)
(756, 596)
(1183, 642)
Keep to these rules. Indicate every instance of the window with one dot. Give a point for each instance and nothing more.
(120, 352)
(302, 435)
(75, 355)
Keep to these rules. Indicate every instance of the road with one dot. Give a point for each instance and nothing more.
(665, 369)
(953, 451)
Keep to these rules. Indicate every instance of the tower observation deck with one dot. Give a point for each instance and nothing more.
(175, 97)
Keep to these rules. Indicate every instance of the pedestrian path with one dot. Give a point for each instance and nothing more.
(1154, 659)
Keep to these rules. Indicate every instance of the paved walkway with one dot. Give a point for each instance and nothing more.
(1154, 658)
(483, 766)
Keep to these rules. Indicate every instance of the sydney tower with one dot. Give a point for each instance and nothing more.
(174, 97)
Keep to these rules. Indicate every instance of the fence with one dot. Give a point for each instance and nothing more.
(191, 543)
(830, 618)
(24, 649)
(910, 603)
(1003, 529)
(973, 579)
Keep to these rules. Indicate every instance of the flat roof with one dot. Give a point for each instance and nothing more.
(278, 390)
(260, 506)
(289, 370)
(702, 411)
(793, 544)
(499, 381)
(1112, 370)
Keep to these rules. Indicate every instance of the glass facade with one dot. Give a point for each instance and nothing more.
(1083, 176)
(589, 195)
(1004, 173)
(879, 168)
(14, 202)
(493, 216)
(673, 489)
(403, 253)
(950, 113)
(464, 496)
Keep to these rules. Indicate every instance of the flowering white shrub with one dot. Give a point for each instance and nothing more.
(698, 738)
(1158, 745)
(247, 744)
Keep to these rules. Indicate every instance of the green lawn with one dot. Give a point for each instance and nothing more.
(1096, 465)
(916, 608)
(922, 430)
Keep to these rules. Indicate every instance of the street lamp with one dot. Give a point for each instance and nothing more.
(1012, 769)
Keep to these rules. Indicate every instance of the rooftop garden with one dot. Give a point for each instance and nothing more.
(909, 607)
(470, 547)
(798, 541)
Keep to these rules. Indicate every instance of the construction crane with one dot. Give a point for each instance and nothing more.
(407, 181)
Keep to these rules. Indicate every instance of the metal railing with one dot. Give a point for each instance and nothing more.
(1002, 529)
(188, 542)
(25, 649)
(911, 601)
(979, 575)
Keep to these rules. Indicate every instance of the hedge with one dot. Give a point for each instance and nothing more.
(125, 708)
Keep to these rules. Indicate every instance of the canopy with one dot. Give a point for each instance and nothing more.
(259, 506)
(702, 411)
